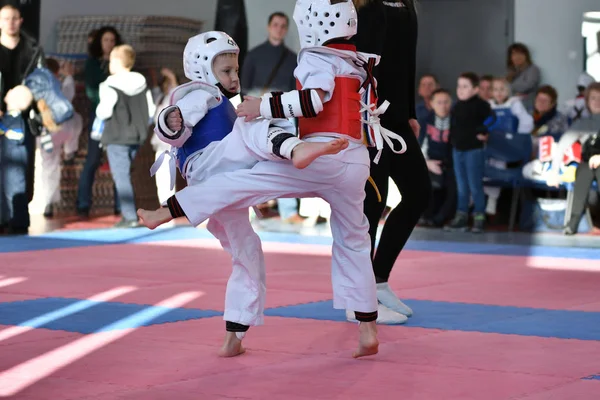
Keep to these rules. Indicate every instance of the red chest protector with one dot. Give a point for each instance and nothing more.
(341, 115)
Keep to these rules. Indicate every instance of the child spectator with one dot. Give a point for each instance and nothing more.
(468, 133)
(511, 118)
(126, 107)
(438, 154)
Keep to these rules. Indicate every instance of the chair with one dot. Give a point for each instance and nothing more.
(514, 149)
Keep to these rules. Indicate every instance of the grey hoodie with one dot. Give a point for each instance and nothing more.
(130, 83)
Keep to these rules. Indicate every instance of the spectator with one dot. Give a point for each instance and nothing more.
(126, 106)
(427, 85)
(576, 108)
(160, 93)
(523, 75)
(270, 67)
(547, 121)
(19, 55)
(96, 72)
(485, 87)
(66, 137)
(511, 118)
(438, 153)
(468, 134)
(587, 171)
(14, 216)
(580, 131)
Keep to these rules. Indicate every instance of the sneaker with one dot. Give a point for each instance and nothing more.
(388, 298)
(127, 224)
(385, 316)
(478, 223)
(459, 223)
(49, 211)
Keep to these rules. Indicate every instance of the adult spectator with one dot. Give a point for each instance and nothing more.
(96, 72)
(269, 67)
(522, 73)
(427, 85)
(389, 28)
(547, 121)
(19, 55)
(485, 87)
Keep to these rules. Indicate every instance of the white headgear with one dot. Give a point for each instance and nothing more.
(319, 21)
(201, 50)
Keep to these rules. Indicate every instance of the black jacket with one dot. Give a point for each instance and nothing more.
(391, 32)
(31, 56)
(468, 119)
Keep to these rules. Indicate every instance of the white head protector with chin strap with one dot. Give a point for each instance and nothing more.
(200, 52)
(319, 21)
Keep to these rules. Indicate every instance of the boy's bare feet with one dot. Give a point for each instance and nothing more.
(306, 152)
(368, 344)
(153, 219)
(232, 346)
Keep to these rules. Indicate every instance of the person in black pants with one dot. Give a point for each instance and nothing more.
(390, 29)
(587, 171)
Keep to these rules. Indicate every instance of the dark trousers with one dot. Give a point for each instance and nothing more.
(468, 168)
(409, 172)
(583, 183)
(14, 199)
(443, 199)
(120, 158)
(88, 174)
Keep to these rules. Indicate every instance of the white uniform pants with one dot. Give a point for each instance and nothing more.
(339, 183)
(246, 288)
(67, 137)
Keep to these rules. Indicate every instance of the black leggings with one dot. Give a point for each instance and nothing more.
(409, 172)
(584, 179)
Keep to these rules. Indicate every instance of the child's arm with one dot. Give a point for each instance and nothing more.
(108, 99)
(317, 76)
(489, 119)
(175, 123)
(525, 119)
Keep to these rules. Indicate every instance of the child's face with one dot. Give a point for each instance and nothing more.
(441, 104)
(485, 90)
(594, 102)
(500, 92)
(465, 89)
(226, 69)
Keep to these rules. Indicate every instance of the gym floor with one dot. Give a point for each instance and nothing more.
(137, 314)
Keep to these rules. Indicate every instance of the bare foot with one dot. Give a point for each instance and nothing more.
(306, 152)
(368, 344)
(152, 219)
(232, 346)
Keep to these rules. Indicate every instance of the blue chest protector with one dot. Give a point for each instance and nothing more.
(506, 121)
(216, 124)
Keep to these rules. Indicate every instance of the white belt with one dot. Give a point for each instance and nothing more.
(172, 164)
(381, 134)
